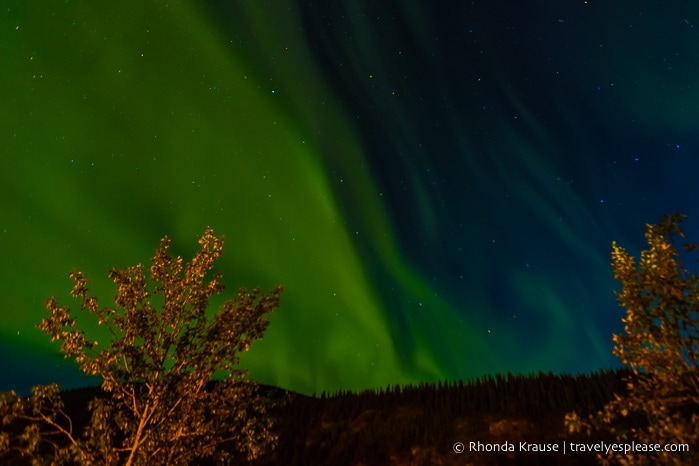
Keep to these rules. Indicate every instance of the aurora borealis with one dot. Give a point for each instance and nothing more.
(436, 187)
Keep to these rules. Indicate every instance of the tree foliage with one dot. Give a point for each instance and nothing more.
(159, 405)
(660, 344)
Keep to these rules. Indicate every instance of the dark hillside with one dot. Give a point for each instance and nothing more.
(420, 425)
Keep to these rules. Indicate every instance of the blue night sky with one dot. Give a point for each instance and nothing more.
(437, 186)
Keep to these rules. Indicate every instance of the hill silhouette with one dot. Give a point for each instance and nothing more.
(423, 424)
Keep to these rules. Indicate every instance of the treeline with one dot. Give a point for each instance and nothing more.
(529, 395)
(378, 426)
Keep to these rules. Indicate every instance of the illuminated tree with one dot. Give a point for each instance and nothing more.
(660, 344)
(159, 405)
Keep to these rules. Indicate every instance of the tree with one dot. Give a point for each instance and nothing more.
(159, 404)
(660, 344)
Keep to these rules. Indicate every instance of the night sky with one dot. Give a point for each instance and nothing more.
(436, 184)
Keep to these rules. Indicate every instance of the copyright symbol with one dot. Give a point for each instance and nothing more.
(458, 447)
